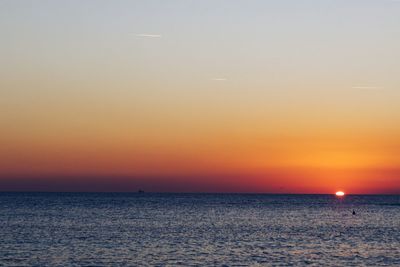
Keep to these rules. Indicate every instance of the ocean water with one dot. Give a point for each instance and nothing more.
(105, 229)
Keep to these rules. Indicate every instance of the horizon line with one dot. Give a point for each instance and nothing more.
(204, 193)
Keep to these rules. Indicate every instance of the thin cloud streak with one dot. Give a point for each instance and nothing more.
(367, 87)
(146, 35)
(219, 79)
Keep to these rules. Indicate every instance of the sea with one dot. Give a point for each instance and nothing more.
(165, 229)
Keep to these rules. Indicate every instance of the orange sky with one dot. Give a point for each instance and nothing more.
(228, 161)
(200, 97)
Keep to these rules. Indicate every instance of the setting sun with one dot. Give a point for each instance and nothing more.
(339, 193)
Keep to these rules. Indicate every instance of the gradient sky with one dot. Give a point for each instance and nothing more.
(213, 96)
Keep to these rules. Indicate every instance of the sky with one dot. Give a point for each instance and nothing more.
(283, 96)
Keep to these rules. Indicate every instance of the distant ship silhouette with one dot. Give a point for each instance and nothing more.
(140, 191)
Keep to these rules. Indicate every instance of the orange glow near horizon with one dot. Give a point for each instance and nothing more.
(239, 162)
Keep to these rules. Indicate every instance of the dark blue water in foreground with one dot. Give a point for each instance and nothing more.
(89, 229)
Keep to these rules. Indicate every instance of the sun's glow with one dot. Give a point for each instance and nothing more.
(339, 193)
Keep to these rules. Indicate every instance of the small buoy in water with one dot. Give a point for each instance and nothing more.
(354, 213)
